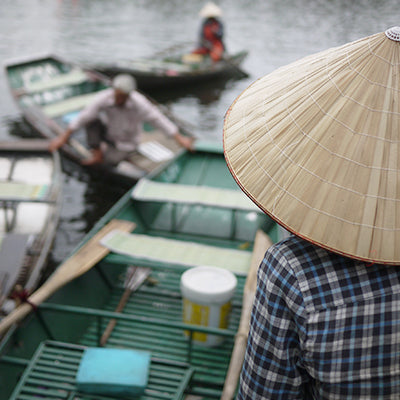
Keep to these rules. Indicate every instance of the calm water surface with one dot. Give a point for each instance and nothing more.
(275, 32)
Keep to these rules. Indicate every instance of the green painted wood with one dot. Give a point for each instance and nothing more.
(73, 77)
(167, 380)
(68, 105)
(147, 190)
(187, 254)
(152, 318)
(17, 191)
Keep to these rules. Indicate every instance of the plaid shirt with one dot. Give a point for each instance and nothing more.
(323, 327)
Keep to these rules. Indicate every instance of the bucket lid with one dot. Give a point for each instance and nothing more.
(208, 284)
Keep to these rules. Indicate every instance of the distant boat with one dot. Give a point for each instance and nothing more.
(51, 91)
(189, 213)
(172, 71)
(30, 201)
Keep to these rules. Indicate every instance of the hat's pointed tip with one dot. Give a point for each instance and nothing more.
(393, 33)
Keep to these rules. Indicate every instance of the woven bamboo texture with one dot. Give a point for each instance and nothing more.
(316, 145)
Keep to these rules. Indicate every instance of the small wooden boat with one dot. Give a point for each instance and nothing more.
(51, 91)
(189, 213)
(30, 198)
(173, 71)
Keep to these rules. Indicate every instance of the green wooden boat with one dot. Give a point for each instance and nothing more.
(171, 71)
(50, 91)
(30, 204)
(189, 213)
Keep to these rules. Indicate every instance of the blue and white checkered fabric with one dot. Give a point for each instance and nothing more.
(323, 327)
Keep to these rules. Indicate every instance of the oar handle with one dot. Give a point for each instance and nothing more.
(111, 325)
(136, 276)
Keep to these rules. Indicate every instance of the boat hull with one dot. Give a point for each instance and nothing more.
(30, 201)
(154, 74)
(152, 318)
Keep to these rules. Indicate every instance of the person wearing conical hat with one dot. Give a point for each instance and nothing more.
(316, 145)
(211, 33)
(113, 120)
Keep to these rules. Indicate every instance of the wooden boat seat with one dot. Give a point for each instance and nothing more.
(17, 191)
(71, 104)
(74, 77)
(178, 252)
(148, 190)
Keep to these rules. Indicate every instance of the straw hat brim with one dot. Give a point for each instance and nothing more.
(316, 146)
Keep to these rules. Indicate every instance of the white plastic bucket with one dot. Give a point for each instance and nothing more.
(207, 293)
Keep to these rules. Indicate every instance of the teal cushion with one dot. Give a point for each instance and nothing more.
(115, 372)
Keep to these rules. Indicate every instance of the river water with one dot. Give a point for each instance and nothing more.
(275, 33)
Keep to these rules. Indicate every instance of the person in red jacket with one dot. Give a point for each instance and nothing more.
(211, 33)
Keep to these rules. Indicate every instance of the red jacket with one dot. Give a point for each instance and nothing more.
(211, 42)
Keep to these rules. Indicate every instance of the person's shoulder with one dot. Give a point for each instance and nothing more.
(137, 99)
(280, 257)
(105, 94)
(299, 258)
(137, 96)
(291, 247)
(279, 268)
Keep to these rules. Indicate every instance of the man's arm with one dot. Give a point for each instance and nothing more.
(89, 113)
(59, 141)
(184, 141)
(272, 366)
(150, 113)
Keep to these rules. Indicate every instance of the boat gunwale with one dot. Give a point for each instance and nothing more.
(46, 238)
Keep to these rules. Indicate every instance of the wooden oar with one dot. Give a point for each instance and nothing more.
(79, 263)
(135, 277)
(56, 130)
(261, 244)
(75, 144)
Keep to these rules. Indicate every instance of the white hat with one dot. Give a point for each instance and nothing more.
(210, 10)
(124, 82)
(316, 145)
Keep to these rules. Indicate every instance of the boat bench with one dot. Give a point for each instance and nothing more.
(17, 191)
(52, 371)
(74, 77)
(177, 252)
(147, 190)
(178, 194)
(75, 103)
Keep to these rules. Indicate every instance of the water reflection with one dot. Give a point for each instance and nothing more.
(205, 93)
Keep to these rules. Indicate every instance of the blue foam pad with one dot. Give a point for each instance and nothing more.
(116, 372)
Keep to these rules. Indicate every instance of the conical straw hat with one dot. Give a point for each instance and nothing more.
(210, 10)
(316, 145)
